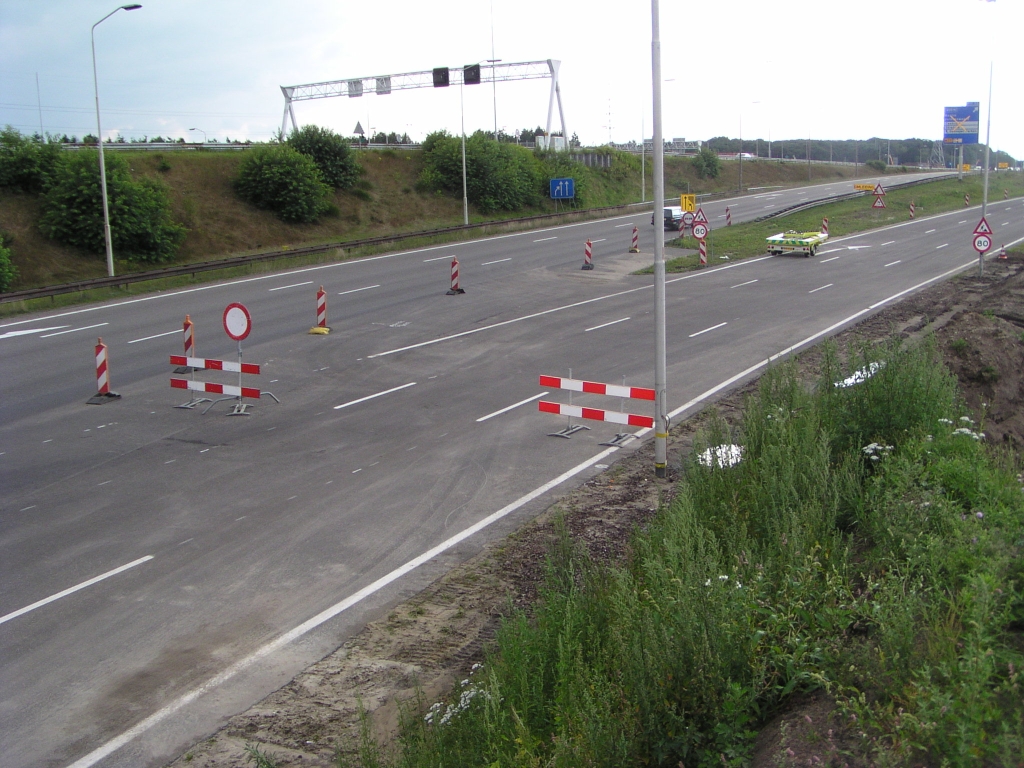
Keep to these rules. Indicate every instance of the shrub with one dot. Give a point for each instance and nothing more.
(8, 272)
(876, 165)
(330, 152)
(278, 178)
(26, 163)
(706, 164)
(141, 227)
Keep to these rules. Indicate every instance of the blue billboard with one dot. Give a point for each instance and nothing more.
(563, 189)
(960, 124)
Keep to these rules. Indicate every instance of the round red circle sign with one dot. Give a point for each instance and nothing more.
(700, 231)
(237, 322)
(982, 243)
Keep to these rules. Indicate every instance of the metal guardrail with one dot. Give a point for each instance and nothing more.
(175, 146)
(194, 268)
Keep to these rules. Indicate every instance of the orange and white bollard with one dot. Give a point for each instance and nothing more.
(912, 209)
(103, 393)
(728, 217)
(188, 337)
(824, 226)
(588, 256)
(635, 247)
(455, 289)
(1002, 252)
(703, 252)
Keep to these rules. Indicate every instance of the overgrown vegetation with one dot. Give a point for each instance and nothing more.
(8, 272)
(26, 163)
(868, 545)
(330, 152)
(279, 178)
(141, 227)
(706, 164)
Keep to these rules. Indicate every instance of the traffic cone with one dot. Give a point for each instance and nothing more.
(1002, 252)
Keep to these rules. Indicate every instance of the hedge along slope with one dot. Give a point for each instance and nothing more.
(278, 178)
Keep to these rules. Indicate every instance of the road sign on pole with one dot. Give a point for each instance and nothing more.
(687, 219)
(700, 231)
(983, 228)
(699, 217)
(879, 203)
(879, 190)
(563, 189)
(237, 322)
(982, 243)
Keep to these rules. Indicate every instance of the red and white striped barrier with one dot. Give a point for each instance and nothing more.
(217, 389)
(635, 247)
(703, 251)
(597, 388)
(595, 414)
(728, 217)
(967, 200)
(103, 393)
(215, 365)
(824, 226)
(1006, 194)
(455, 278)
(188, 337)
(321, 308)
(588, 256)
(912, 209)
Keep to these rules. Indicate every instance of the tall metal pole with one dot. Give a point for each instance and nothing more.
(643, 162)
(988, 136)
(741, 154)
(465, 198)
(494, 81)
(99, 137)
(660, 366)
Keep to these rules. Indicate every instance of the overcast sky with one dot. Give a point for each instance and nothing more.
(831, 69)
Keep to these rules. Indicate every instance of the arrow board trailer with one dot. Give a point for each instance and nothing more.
(806, 243)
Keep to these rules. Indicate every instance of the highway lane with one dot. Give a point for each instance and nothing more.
(302, 549)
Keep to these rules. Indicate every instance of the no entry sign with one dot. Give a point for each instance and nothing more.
(237, 322)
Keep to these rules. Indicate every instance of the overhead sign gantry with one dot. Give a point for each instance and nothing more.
(439, 77)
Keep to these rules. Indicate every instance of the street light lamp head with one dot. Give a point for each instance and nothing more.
(132, 7)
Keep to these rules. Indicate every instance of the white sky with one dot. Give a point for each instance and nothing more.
(831, 69)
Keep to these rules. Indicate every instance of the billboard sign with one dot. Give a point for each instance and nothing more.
(960, 124)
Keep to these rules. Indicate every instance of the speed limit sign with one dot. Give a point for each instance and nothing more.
(982, 243)
(700, 231)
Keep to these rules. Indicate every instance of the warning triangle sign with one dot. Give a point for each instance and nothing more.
(879, 191)
(983, 228)
(359, 129)
(699, 217)
(879, 203)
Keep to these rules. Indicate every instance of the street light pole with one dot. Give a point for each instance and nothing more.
(660, 353)
(99, 137)
(988, 138)
(465, 198)
(201, 131)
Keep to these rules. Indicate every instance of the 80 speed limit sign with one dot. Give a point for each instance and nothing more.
(700, 231)
(982, 243)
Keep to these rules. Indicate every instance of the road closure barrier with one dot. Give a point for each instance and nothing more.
(227, 390)
(595, 414)
(103, 393)
(635, 247)
(321, 328)
(588, 255)
(455, 289)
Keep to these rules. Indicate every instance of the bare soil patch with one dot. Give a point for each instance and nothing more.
(430, 642)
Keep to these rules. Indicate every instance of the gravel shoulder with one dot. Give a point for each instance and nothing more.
(430, 642)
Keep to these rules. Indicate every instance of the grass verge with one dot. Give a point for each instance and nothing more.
(868, 546)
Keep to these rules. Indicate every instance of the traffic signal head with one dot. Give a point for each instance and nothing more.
(441, 77)
(471, 74)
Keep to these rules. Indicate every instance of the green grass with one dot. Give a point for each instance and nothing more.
(845, 218)
(868, 545)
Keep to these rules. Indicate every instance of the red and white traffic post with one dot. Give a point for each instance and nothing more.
(103, 393)
(455, 289)
(588, 255)
(635, 247)
(188, 337)
(824, 226)
(728, 217)
(912, 209)
(703, 251)
(321, 328)
(967, 200)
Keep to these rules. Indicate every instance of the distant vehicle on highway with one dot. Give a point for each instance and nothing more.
(673, 217)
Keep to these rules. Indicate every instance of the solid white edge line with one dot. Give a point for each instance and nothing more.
(73, 330)
(370, 397)
(70, 590)
(293, 285)
(119, 741)
(356, 290)
(605, 325)
(157, 336)
(508, 408)
(698, 333)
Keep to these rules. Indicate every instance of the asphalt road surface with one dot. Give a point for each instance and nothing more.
(163, 568)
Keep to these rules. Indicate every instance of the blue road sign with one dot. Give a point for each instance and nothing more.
(960, 124)
(563, 189)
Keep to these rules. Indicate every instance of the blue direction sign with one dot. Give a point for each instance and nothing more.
(960, 124)
(563, 189)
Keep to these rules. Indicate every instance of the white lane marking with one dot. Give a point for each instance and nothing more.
(25, 332)
(1009, 209)
(73, 330)
(605, 325)
(770, 206)
(630, 222)
(356, 290)
(856, 247)
(937, 247)
(26, 509)
(892, 263)
(157, 336)
(823, 261)
(439, 258)
(357, 470)
(688, 276)
(962, 222)
(815, 290)
(1004, 224)
(888, 242)
(70, 590)
(740, 285)
(508, 408)
(370, 397)
(830, 250)
(497, 261)
(599, 240)
(293, 285)
(720, 217)
(928, 232)
(554, 237)
(239, 666)
(186, 541)
(713, 327)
